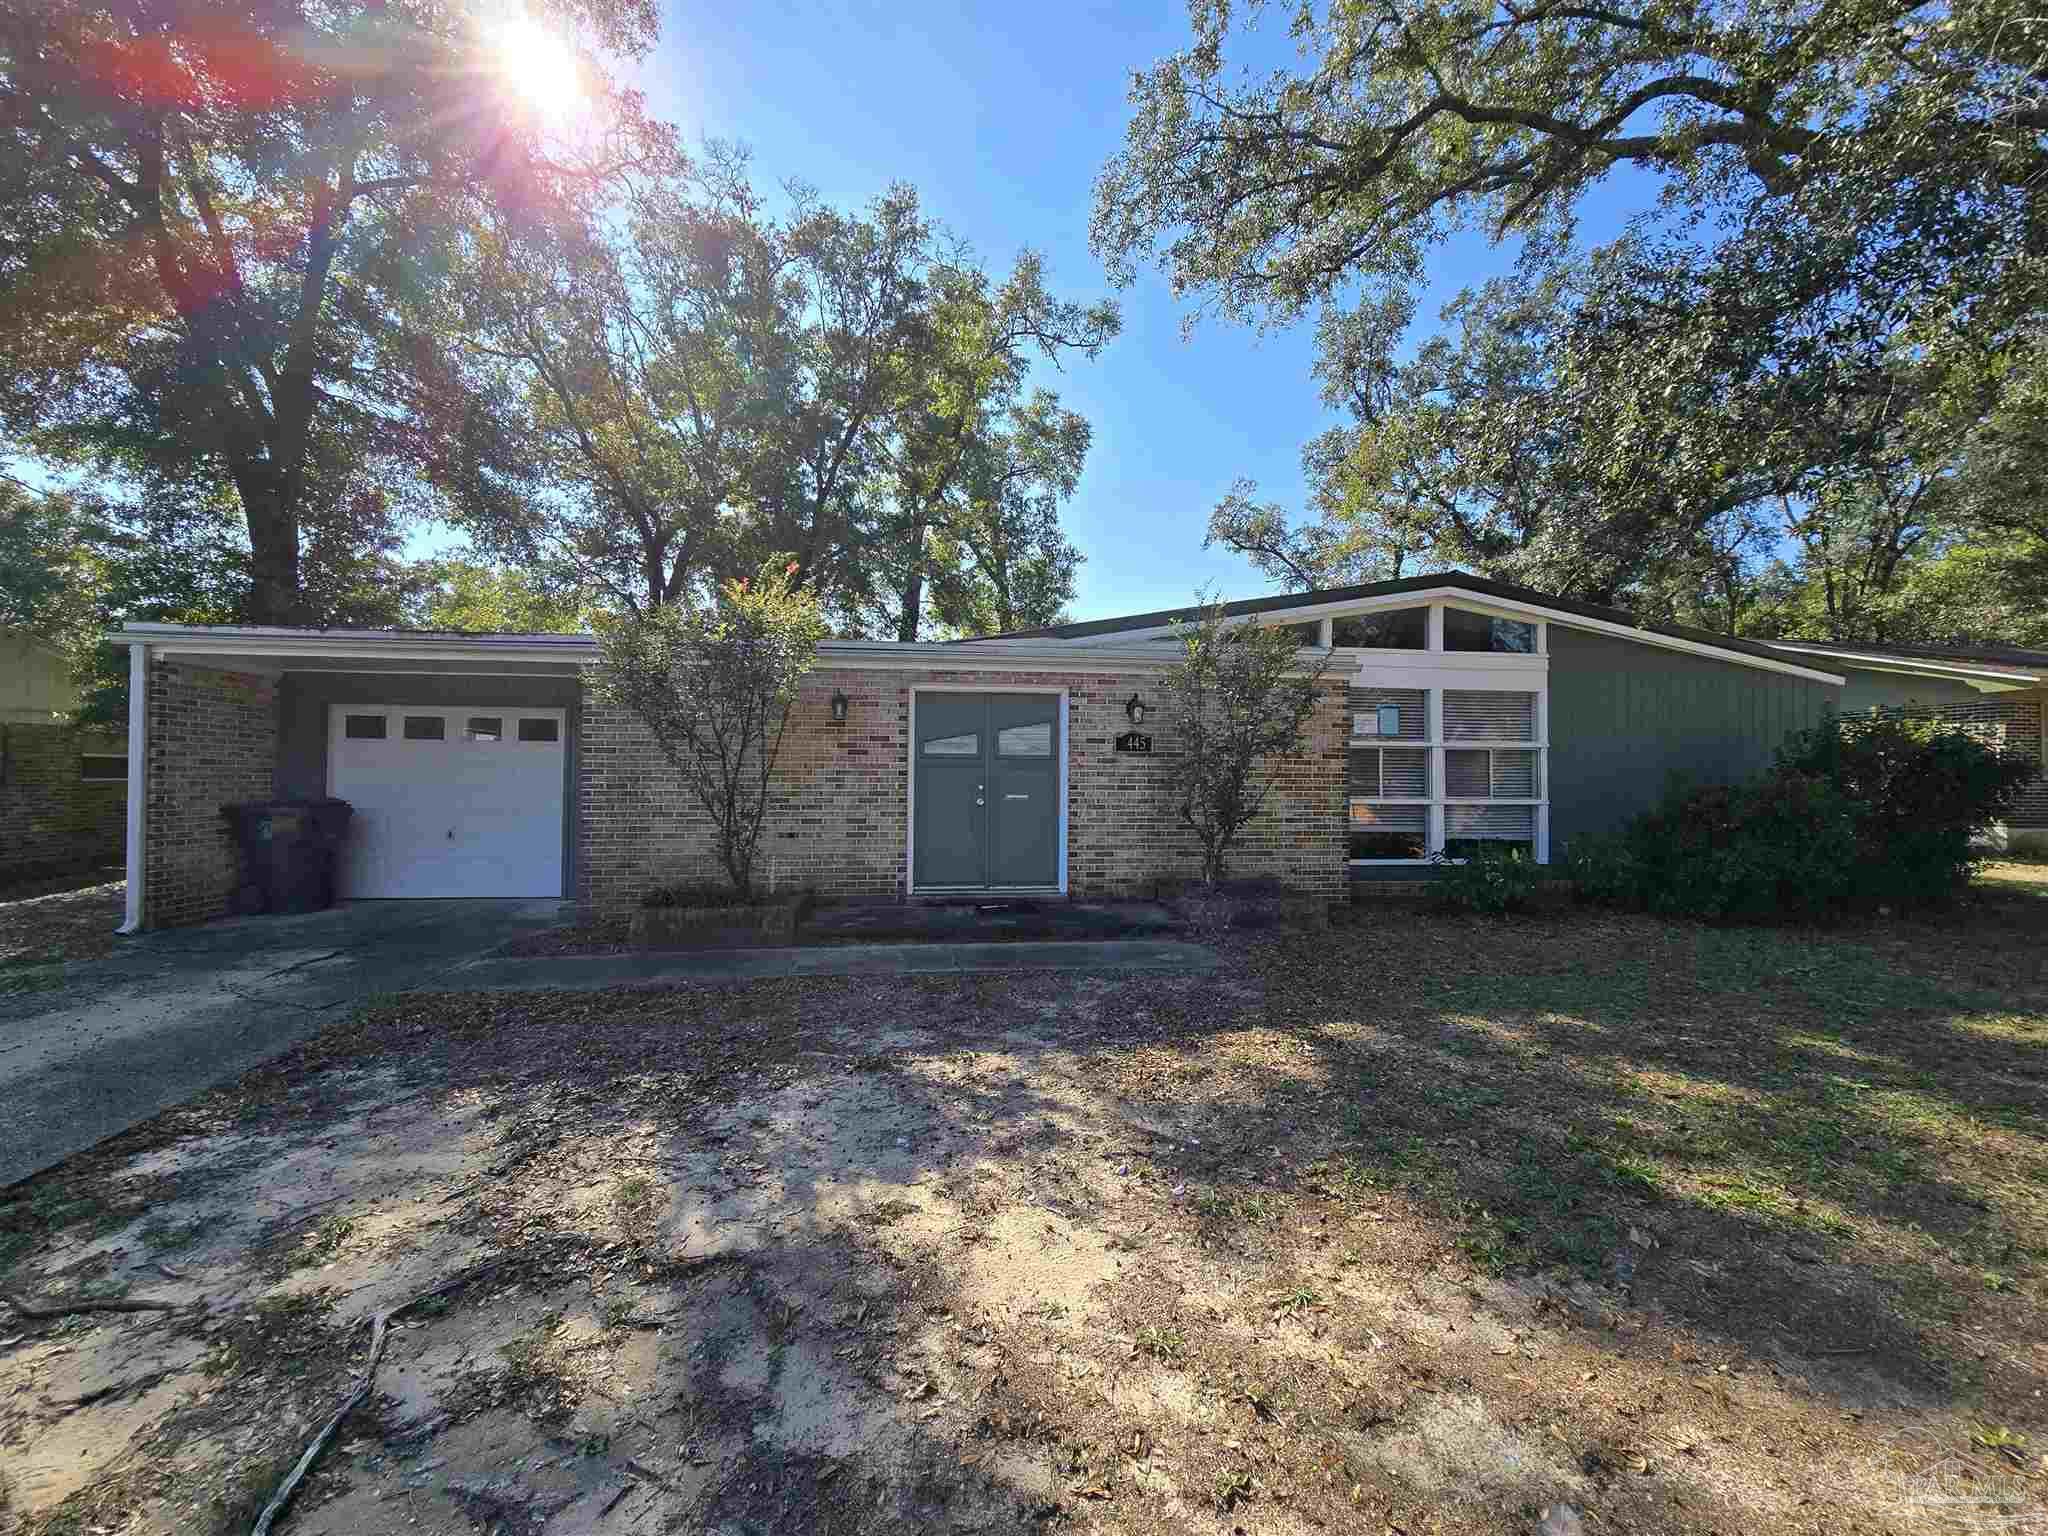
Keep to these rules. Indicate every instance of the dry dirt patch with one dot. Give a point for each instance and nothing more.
(58, 920)
(1363, 1236)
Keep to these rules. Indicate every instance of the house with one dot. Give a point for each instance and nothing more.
(1454, 711)
(1997, 693)
(63, 789)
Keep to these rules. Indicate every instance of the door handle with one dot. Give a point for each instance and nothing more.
(978, 800)
(1016, 797)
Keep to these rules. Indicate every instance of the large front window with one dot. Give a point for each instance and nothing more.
(1463, 767)
(1449, 749)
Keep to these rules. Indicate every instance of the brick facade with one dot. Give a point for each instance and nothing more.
(2011, 721)
(841, 821)
(51, 819)
(212, 741)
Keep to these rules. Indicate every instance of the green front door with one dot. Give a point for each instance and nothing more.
(987, 786)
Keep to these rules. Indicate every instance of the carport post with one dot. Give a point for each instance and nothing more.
(138, 760)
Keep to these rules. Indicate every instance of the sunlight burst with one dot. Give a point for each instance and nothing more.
(537, 67)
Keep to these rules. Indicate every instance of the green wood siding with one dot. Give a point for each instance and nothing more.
(1627, 720)
(1893, 690)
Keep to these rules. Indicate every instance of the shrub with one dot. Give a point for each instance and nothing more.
(697, 895)
(714, 684)
(1856, 815)
(1927, 789)
(1491, 880)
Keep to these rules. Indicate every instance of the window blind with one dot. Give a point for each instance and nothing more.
(1399, 772)
(1472, 715)
(1508, 821)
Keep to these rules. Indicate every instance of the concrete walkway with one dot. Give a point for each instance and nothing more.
(169, 1014)
(591, 973)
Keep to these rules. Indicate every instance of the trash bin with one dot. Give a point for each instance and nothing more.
(288, 850)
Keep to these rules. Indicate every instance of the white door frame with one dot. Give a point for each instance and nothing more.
(910, 779)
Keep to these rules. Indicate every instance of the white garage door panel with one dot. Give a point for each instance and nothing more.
(452, 817)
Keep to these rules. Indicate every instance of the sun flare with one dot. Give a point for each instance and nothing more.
(537, 67)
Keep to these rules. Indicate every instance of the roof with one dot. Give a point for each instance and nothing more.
(1051, 648)
(1462, 581)
(1995, 660)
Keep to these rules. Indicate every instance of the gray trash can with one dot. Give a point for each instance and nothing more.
(289, 850)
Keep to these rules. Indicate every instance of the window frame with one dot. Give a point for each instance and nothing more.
(1451, 677)
(103, 778)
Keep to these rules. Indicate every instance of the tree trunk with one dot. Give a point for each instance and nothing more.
(275, 596)
(912, 616)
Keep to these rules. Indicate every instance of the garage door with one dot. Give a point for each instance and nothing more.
(449, 802)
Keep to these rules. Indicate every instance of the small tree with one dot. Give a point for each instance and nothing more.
(1239, 697)
(715, 685)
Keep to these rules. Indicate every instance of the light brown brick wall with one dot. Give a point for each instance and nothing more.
(50, 818)
(841, 817)
(212, 741)
(2006, 720)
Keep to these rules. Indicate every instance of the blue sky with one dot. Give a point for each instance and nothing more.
(1001, 115)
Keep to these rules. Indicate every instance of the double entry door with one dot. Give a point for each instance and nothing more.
(986, 786)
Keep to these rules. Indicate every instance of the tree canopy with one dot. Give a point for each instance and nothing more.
(1806, 373)
(708, 380)
(227, 232)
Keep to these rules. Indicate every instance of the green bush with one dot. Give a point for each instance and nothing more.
(1491, 880)
(1856, 815)
(1927, 790)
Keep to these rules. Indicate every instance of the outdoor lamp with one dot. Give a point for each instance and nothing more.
(1135, 708)
(838, 707)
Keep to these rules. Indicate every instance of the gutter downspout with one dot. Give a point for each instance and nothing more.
(138, 775)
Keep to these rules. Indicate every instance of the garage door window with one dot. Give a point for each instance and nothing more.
(425, 728)
(363, 728)
(486, 728)
(539, 730)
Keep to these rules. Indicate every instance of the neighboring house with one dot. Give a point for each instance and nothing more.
(1997, 693)
(63, 790)
(1455, 711)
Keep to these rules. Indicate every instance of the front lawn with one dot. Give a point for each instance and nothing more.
(42, 925)
(1418, 1225)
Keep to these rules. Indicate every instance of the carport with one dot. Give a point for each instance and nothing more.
(458, 753)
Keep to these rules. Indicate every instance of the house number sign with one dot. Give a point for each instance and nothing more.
(1134, 741)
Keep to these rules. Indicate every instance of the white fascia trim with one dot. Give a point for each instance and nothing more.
(2012, 678)
(1458, 670)
(993, 656)
(269, 647)
(1486, 603)
(274, 645)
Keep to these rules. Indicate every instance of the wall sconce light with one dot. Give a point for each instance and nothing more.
(1134, 708)
(838, 707)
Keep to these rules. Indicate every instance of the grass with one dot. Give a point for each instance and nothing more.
(1163, 1343)
(1556, 1092)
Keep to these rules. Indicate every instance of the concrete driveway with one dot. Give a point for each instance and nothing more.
(168, 1014)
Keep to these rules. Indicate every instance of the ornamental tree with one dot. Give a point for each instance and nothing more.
(1239, 697)
(714, 683)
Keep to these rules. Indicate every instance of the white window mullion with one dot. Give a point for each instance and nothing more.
(1434, 703)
